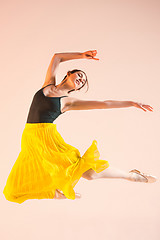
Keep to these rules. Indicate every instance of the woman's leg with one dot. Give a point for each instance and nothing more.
(112, 172)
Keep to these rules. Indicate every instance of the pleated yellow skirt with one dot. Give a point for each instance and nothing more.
(46, 163)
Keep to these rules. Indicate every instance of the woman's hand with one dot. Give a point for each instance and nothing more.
(90, 55)
(142, 106)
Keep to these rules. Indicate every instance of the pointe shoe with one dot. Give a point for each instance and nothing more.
(143, 177)
(59, 194)
(77, 195)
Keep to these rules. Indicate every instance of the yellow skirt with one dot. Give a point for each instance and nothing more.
(46, 163)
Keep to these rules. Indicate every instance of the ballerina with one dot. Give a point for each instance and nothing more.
(47, 166)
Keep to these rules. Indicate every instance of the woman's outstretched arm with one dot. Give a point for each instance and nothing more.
(76, 104)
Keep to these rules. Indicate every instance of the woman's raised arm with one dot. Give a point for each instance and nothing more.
(69, 56)
(62, 57)
(77, 55)
(52, 70)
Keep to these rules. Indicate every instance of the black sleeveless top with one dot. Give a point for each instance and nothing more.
(44, 109)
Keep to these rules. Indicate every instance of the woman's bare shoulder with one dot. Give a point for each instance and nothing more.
(50, 83)
(70, 100)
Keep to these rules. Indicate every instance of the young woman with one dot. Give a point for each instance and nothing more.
(47, 166)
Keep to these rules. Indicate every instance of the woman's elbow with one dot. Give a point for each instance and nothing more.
(58, 56)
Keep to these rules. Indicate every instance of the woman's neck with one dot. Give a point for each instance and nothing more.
(63, 88)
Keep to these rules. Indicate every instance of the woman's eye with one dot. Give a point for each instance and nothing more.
(79, 74)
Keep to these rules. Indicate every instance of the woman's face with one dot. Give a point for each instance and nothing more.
(77, 79)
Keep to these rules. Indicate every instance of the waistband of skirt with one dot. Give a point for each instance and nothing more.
(39, 125)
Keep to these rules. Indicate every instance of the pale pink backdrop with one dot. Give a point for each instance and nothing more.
(126, 35)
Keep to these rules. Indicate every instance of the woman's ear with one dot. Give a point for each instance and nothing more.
(68, 73)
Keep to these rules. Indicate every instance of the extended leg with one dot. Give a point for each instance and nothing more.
(112, 172)
(109, 172)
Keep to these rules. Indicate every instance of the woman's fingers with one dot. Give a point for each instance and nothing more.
(144, 107)
(91, 54)
(95, 58)
(94, 52)
(91, 57)
(148, 107)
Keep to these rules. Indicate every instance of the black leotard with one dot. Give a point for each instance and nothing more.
(44, 109)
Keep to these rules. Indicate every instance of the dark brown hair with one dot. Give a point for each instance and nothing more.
(77, 70)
